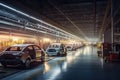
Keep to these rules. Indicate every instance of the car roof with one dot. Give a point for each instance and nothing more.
(56, 44)
(22, 44)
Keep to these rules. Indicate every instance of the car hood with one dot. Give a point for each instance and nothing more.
(11, 52)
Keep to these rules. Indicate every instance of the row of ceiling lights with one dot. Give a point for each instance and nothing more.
(46, 26)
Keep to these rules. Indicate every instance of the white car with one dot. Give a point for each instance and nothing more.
(22, 54)
(56, 49)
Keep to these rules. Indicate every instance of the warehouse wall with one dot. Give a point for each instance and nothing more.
(107, 36)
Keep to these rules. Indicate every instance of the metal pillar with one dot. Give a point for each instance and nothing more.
(112, 26)
(94, 17)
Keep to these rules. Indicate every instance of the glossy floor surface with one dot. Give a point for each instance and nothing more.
(82, 64)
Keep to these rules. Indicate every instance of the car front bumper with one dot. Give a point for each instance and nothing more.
(52, 53)
(11, 61)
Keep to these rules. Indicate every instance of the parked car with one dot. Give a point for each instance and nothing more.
(22, 54)
(56, 49)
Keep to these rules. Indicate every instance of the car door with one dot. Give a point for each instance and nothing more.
(61, 49)
(38, 52)
(31, 52)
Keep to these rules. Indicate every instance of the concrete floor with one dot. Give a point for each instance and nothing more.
(82, 64)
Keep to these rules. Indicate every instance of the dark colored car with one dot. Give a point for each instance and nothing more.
(22, 54)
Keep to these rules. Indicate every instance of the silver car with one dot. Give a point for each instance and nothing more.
(56, 49)
(22, 54)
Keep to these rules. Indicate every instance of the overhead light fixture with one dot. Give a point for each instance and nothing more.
(41, 21)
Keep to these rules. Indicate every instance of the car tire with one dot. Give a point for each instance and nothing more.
(43, 59)
(58, 54)
(27, 63)
(65, 54)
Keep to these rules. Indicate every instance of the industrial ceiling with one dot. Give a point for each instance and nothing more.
(82, 18)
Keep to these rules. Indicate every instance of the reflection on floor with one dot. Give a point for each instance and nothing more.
(82, 64)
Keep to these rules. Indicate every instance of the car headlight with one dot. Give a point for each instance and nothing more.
(57, 50)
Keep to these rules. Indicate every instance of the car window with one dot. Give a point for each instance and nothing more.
(68, 46)
(14, 48)
(54, 46)
(36, 48)
(38, 51)
(30, 47)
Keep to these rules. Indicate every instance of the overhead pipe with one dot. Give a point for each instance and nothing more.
(39, 20)
(85, 38)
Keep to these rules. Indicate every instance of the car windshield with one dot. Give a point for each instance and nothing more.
(68, 47)
(15, 48)
(54, 46)
(51, 50)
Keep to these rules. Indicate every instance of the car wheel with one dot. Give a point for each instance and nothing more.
(27, 63)
(65, 54)
(43, 59)
(58, 54)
